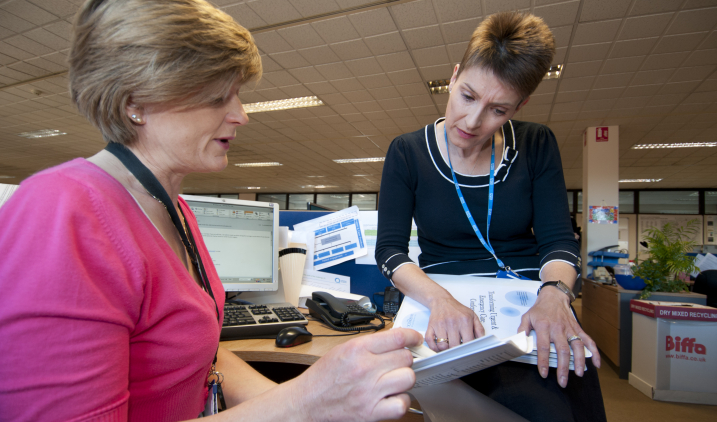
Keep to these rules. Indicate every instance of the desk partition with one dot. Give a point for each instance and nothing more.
(365, 279)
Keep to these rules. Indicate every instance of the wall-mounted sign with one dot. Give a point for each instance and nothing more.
(601, 134)
(600, 214)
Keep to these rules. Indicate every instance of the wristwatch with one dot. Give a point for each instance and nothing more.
(560, 286)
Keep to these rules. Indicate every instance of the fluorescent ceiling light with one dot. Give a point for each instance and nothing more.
(7, 177)
(554, 72)
(639, 180)
(315, 176)
(439, 86)
(301, 102)
(247, 187)
(267, 164)
(41, 133)
(318, 186)
(359, 160)
(677, 145)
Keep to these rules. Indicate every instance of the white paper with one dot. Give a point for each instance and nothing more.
(337, 237)
(6, 191)
(705, 262)
(322, 280)
(499, 304)
(369, 224)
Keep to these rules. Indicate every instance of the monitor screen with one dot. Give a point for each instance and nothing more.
(242, 239)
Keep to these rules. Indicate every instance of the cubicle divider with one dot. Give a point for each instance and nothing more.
(365, 279)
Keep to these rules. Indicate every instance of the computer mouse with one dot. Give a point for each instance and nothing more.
(293, 336)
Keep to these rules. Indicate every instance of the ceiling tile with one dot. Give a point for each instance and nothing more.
(348, 50)
(348, 84)
(301, 36)
(336, 29)
(641, 90)
(426, 36)
(702, 57)
(576, 70)
(673, 43)
(606, 93)
(459, 31)
(267, 63)
(595, 32)
(289, 59)
(495, 6)
(403, 76)
(664, 61)
(644, 7)
(373, 22)
(636, 47)
(679, 87)
(26, 44)
(365, 66)
(453, 10)
(571, 96)
(576, 84)
(280, 78)
(385, 43)
(396, 61)
(379, 80)
(696, 73)
(547, 86)
(412, 89)
(319, 55)
(647, 77)
(321, 88)
(29, 12)
(314, 7)
(693, 21)
(306, 74)
(621, 65)
(274, 11)
(559, 57)
(28, 69)
(562, 35)
(710, 41)
(414, 14)
(334, 71)
(645, 26)
(244, 16)
(584, 53)
(443, 71)
(60, 8)
(271, 42)
(381, 93)
(431, 56)
(594, 10)
(457, 51)
(558, 14)
(613, 81)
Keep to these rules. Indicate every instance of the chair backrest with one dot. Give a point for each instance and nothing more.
(706, 283)
(365, 279)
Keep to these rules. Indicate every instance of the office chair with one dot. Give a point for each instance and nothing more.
(706, 283)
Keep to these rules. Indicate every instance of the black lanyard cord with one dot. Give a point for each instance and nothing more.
(151, 184)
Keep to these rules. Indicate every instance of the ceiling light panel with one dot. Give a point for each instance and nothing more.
(359, 160)
(41, 133)
(676, 145)
(639, 180)
(554, 72)
(439, 86)
(301, 102)
(267, 164)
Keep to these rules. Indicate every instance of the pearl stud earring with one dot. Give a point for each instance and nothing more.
(136, 118)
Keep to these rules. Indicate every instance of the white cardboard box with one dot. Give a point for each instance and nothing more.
(674, 351)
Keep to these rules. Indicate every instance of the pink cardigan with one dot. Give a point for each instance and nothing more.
(99, 320)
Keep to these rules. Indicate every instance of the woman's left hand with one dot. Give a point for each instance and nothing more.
(553, 321)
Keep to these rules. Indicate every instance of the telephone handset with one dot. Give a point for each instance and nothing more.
(340, 314)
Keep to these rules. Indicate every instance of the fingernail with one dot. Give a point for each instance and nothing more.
(543, 372)
(563, 381)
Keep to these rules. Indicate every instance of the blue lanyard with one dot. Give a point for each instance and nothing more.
(486, 241)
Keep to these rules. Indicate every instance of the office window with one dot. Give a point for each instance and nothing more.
(570, 202)
(297, 201)
(669, 202)
(279, 198)
(710, 202)
(230, 196)
(364, 201)
(336, 201)
(627, 202)
(580, 202)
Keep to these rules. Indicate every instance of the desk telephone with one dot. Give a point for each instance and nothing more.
(341, 314)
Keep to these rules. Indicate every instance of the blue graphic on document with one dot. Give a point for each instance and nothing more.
(521, 298)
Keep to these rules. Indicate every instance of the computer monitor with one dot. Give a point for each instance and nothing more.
(243, 240)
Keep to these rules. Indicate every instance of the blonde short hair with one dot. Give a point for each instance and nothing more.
(517, 47)
(179, 52)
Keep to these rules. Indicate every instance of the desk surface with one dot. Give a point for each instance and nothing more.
(264, 350)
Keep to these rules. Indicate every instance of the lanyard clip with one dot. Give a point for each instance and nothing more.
(214, 377)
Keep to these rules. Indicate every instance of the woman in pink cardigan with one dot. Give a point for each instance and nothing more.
(110, 307)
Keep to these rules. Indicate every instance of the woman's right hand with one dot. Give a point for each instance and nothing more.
(453, 321)
(364, 379)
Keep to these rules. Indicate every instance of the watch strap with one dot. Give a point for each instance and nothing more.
(560, 286)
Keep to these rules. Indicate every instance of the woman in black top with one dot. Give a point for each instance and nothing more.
(530, 229)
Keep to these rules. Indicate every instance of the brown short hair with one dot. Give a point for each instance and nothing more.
(180, 52)
(517, 47)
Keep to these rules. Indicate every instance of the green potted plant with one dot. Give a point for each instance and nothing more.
(667, 248)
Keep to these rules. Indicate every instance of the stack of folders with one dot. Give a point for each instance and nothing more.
(500, 304)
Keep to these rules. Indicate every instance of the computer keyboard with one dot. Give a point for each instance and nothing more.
(251, 321)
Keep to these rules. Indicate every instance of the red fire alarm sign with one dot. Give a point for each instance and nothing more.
(601, 134)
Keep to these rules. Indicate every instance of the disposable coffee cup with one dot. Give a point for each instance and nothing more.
(292, 262)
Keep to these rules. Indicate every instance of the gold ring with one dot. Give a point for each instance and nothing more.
(572, 338)
(442, 340)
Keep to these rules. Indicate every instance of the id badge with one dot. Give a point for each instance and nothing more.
(510, 274)
(211, 407)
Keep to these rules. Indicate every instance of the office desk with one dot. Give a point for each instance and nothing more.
(264, 350)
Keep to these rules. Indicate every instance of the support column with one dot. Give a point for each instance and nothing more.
(600, 189)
